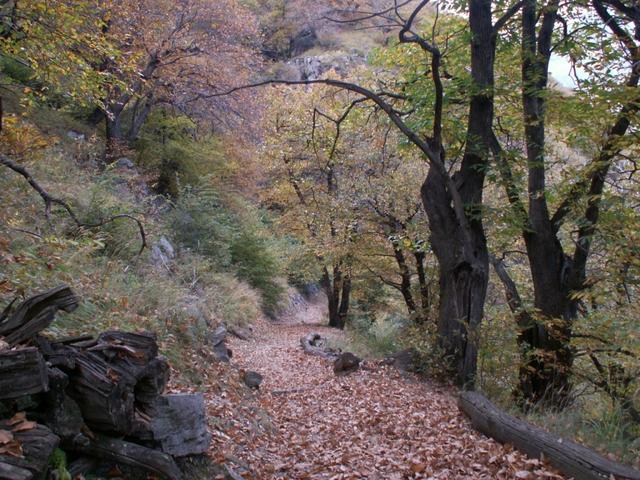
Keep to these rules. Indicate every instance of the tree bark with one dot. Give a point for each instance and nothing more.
(570, 458)
(425, 295)
(546, 355)
(337, 287)
(461, 248)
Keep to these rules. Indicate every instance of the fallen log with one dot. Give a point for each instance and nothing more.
(22, 372)
(105, 393)
(131, 351)
(61, 413)
(151, 383)
(81, 466)
(131, 454)
(570, 458)
(36, 444)
(315, 344)
(36, 313)
(11, 472)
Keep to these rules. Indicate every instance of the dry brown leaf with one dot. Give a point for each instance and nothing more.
(12, 448)
(17, 418)
(24, 426)
(5, 436)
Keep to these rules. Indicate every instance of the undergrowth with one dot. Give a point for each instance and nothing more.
(226, 268)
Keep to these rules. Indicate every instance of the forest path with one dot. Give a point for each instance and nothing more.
(375, 423)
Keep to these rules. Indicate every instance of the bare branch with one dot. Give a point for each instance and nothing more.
(50, 201)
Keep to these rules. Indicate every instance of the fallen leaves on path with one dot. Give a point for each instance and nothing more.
(377, 423)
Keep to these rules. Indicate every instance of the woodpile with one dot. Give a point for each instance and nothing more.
(101, 400)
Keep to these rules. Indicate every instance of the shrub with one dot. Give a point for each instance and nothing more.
(200, 222)
(256, 264)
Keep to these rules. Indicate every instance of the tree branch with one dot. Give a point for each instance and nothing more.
(50, 201)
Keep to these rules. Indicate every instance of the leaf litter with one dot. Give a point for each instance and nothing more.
(377, 423)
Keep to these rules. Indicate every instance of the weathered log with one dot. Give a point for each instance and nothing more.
(104, 393)
(11, 472)
(82, 466)
(37, 443)
(61, 413)
(570, 458)
(127, 453)
(36, 313)
(179, 424)
(137, 354)
(130, 351)
(22, 372)
(56, 354)
(152, 382)
(315, 344)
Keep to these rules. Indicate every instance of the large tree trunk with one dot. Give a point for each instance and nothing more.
(141, 111)
(343, 310)
(547, 358)
(461, 249)
(463, 282)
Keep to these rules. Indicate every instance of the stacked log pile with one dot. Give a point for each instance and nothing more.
(98, 399)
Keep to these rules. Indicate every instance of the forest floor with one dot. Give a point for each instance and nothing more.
(377, 423)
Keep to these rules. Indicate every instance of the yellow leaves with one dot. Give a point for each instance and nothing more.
(20, 137)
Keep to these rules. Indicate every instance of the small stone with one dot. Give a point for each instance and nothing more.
(77, 136)
(162, 252)
(252, 379)
(125, 162)
(346, 363)
(217, 341)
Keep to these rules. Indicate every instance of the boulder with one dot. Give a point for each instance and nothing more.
(346, 363)
(179, 424)
(217, 341)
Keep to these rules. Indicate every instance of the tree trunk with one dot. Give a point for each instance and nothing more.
(425, 295)
(405, 282)
(337, 287)
(113, 133)
(461, 249)
(463, 283)
(547, 357)
(343, 311)
(141, 111)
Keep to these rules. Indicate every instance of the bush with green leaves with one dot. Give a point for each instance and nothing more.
(203, 222)
(256, 264)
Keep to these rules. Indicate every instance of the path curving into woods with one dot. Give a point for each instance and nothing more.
(375, 424)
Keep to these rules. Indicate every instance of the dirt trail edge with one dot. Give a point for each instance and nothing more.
(373, 424)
